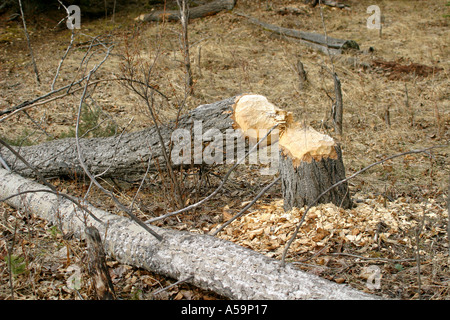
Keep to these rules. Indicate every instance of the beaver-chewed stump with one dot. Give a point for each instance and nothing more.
(310, 162)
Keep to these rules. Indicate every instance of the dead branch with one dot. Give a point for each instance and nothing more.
(33, 61)
(205, 10)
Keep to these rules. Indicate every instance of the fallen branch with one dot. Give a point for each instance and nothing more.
(209, 263)
(205, 10)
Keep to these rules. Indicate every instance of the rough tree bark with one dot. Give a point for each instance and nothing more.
(205, 10)
(211, 263)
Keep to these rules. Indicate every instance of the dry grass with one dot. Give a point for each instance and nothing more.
(231, 56)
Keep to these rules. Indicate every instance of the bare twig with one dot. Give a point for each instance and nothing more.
(341, 182)
(369, 258)
(337, 109)
(4, 164)
(184, 18)
(172, 285)
(72, 38)
(418, 232)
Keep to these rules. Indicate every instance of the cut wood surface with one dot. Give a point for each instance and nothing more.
(205, 10)
(314, 40)
(208, 262)
(125, 156)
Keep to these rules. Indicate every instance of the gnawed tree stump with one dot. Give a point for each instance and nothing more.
(303, 181)
(316, 158)
(310, 162)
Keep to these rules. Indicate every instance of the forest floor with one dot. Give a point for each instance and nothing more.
(396, 98)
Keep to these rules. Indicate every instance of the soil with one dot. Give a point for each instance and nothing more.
(396, 98)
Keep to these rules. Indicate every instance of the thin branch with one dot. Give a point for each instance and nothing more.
(369, 258)
(418, 232)
(72, 38)
(93, 178)
(341, 182)
(172, 285)
(260, 194)
(197, 204)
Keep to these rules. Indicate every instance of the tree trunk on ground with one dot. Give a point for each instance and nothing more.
(212, 264)
(205, 10)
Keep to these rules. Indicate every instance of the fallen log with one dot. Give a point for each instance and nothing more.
(207, 262)
(330, 3)
(314, 40)
(311, 162)
(205, 10)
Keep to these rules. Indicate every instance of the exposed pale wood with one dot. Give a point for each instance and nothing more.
(208, 262)
(205, 10)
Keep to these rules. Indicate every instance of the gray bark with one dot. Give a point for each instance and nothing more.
(125, 157)
(214, 264)
(98, 270)
(303, 184)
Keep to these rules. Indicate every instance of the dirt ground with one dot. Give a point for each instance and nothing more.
(396, 98)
